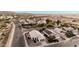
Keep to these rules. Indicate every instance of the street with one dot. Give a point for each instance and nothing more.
(18, 39)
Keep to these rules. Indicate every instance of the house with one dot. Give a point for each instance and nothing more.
(60, 32)
(9, 17)
(57, 30)
(42, 22)
(31, 21)
(2, 17)
(36, 35)
(48, 32)
(75, 32)
(23, 21)
(68, 28)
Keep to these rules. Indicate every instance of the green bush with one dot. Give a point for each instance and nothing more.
(41, 25)
(58, 22)
(48, 21)
(51, 38)
(49, 25)
(69, 34)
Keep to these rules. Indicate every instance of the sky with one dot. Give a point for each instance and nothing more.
(49, 12)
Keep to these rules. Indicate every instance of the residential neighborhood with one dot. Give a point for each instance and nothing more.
(38, 30)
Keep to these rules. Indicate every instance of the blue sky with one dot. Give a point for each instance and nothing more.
(49, 12)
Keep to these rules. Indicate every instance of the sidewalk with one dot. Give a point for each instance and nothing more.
(10, 38)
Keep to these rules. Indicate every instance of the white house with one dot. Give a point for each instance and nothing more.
(34, 34)
(31, 21)
(23, 21)
(42, 22)
(57, 30)
(9, 17)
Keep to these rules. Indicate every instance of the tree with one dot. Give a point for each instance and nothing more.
(52, 39)
(64, 25)
(42, 29)
(58, 22)
(41, 25)
(69, 34)
(49, 25)
(73, 20)
(53, 23)
(48, 21)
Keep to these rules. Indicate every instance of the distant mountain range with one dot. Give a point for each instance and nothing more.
(25, 14)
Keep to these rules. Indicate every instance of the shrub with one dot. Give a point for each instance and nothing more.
(51, 39)
(41, 25)
(69, 34)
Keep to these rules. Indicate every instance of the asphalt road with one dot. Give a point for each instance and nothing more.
(74, 42)
(18, 39)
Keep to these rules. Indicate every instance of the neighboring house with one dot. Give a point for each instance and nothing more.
(75, 32)
(31, 21)
(68, 28)
(23, 21)
(34, 34)
(60, 32)
(9, 17)
(2, 17)
(55, 32)
(49, 32)
(42, 22)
